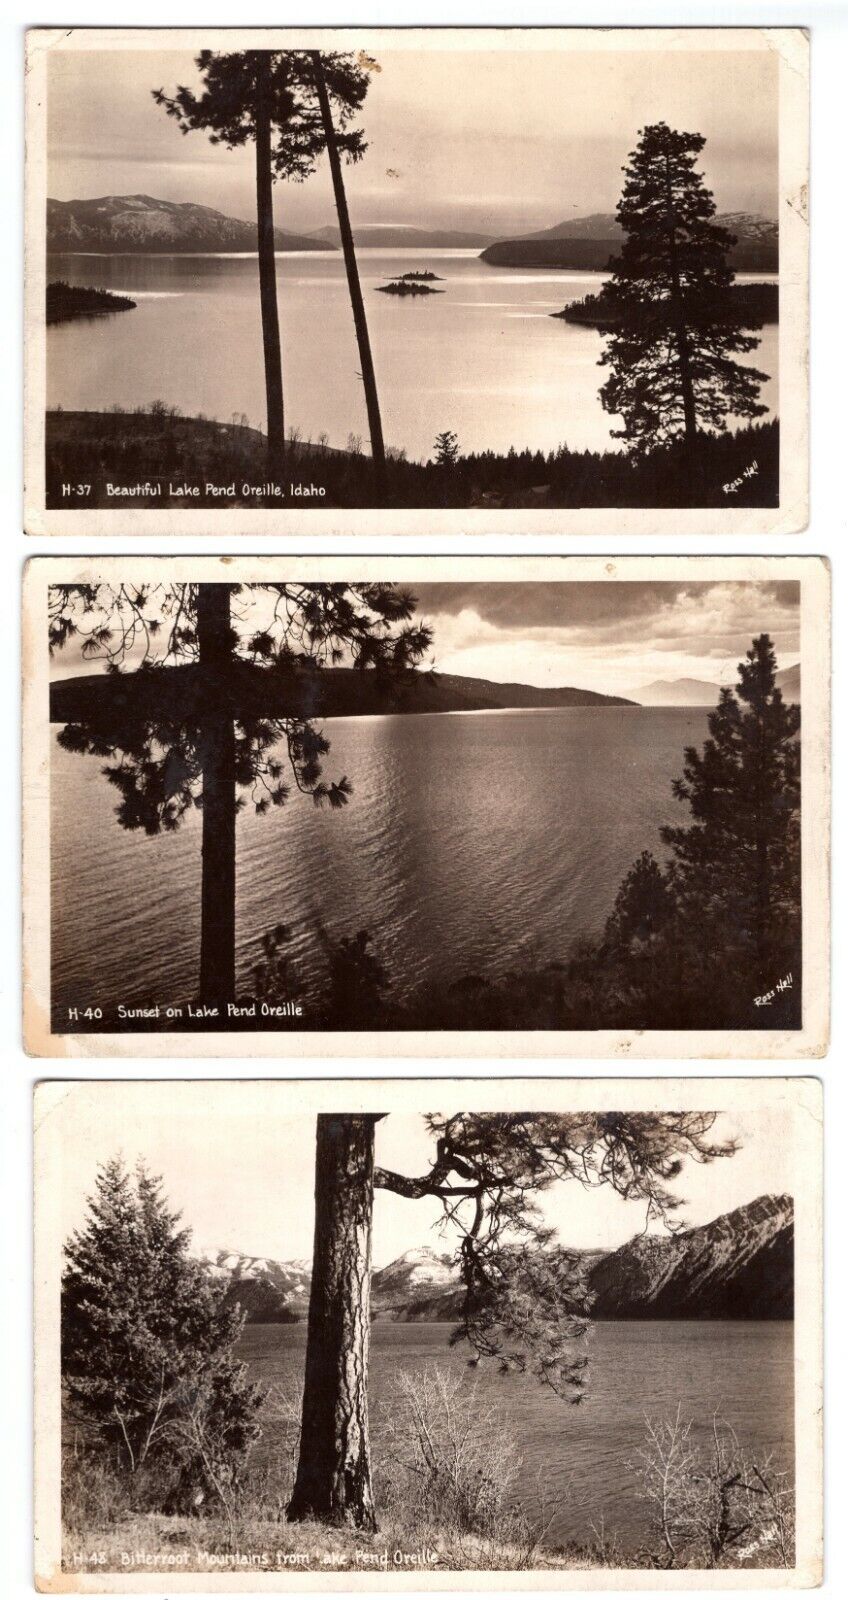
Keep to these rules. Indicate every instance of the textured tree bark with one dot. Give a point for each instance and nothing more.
(218, 754)
(690, 417)
(268, 267)
(333, 1482)
(360, 321)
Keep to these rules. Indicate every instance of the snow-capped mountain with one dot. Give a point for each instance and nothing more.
(739, 1266)
(269, 1291)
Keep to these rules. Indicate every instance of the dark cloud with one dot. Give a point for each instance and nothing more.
(605, 607)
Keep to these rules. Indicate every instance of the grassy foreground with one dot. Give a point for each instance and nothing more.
(156, 1543)
(154, 458)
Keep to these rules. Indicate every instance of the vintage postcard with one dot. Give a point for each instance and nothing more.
(417, 280)
(326, 805)
(428, 1334)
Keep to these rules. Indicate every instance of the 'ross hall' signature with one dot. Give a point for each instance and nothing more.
(766, 999)
(736, 483)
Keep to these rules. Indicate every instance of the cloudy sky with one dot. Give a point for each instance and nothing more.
(498, 140)
(244, 1179)
(613, 637)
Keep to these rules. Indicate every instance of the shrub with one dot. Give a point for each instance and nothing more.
(711, 1505)
(453, 1462)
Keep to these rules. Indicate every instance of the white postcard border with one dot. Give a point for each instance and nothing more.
(792, 48)
(813, 574)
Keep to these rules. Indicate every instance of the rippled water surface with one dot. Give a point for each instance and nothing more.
(578, 1457)
(472, 841)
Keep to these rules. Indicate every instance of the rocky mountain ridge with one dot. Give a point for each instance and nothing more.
(742, 1260)
(740, 1266)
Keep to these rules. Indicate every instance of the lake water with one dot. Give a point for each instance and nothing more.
(483, 359)
(472, 841)
(580, 1454)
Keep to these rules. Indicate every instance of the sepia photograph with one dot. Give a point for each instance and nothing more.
(279, 1340)
(320, 802)
(472, 278)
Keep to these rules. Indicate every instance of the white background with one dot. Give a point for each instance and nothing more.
(826, 535)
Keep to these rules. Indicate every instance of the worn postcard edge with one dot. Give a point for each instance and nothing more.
(792, 47)
(813, 574)
(802, 1095)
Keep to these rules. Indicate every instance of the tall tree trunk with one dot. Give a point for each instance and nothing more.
(369, 380)
(268, 267)
(333, 1481)
(218, 756)
(690, 418)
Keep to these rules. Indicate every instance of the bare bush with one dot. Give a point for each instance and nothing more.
(452, 1463)
(281, 1414)
(712, 1506)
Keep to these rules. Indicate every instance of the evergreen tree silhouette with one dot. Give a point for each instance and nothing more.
(736, 869)
(672, 372)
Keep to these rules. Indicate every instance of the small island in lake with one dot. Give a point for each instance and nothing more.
(408, 284)
(65, 302)
(420, 277)
(757, 303)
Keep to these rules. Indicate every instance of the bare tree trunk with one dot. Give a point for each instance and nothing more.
(218, 755)
(268, 267)
(369, 380)
(333, 1482)
(690, 417)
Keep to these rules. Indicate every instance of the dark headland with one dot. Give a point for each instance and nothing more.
(65, 303)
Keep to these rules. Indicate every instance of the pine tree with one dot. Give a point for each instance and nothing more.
(338, 79)
(642, 906)
(282, 101)
(736, 870)
(446, 449)
(525, 1296)
(148, 1338)
(211, 714)
(672, 372)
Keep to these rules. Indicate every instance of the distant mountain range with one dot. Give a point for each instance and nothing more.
(789, 683)
(137, 223)
(679, 692)
(330, 692)
(586, 243)
(697, 692)
(741, 1266)
(386, 236)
